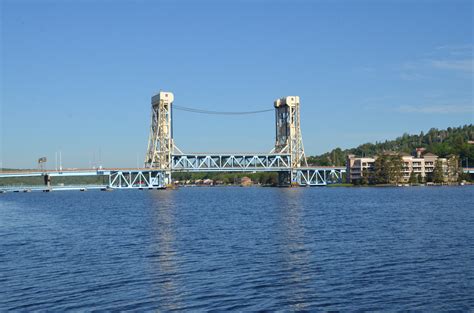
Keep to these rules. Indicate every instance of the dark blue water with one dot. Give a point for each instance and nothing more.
(239, 249)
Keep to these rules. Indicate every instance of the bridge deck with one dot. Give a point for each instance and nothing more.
(223, 162)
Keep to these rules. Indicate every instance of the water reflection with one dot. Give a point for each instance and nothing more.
(295, 255)
(238, 249)
(165, 249)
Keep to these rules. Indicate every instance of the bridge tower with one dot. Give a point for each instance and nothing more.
(160, 142)
(288, 134)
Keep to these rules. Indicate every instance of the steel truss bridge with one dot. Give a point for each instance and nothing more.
(144, 178)
(230, 162)
(287, 158)
(116, 178)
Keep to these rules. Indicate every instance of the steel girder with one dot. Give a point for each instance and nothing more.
(231, 162)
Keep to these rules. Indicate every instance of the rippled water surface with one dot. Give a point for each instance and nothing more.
(239, 249)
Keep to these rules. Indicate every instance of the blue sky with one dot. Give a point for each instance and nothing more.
(77, 76)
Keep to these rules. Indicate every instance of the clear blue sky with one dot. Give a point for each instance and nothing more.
(77, 76)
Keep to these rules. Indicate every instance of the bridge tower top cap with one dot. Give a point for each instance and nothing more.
(166, 96)
(289, 100)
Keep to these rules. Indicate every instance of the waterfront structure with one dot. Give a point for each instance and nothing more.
(246, 181)
(419, 166)
(423, 167)
(362, 169)
(358, 169)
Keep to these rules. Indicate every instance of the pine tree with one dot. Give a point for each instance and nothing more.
(413, 178)
(381, 175)
(388, 169)
(420, 179)
(395, 169)
(365, 177)
(438, 175)
(453, 169)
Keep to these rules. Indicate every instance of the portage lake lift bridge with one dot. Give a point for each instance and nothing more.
(163, 157)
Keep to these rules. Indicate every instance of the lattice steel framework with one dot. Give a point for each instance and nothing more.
(288, 131)
(160, 143)
(288, 137)
(318, 176)
(287, 157)
(136, 179)
(231, 162)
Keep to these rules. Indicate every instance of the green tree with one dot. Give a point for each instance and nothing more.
(420, 178)
(365, 177)
(381, 173)
(453, 168)
(388, 169)
(413, 178)
(395, 165)
(440, 142)
(438, 175)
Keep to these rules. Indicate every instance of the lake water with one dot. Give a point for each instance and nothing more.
(244, 249)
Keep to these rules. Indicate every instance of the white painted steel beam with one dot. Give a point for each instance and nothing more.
(230, 162)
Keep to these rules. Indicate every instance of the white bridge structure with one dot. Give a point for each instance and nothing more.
(230, 162)
(287, 156)
(163, 157)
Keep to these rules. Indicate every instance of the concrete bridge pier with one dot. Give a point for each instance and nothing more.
(47, 180)
(284, 179)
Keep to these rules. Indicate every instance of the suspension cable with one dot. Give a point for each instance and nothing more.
(201, 111)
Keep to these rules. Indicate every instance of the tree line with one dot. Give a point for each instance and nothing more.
(453, 140)
(263, 178)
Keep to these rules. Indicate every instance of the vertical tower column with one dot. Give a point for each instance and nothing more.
(160, 143)
(288, 132)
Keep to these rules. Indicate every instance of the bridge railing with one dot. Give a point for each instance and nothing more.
(231, 162)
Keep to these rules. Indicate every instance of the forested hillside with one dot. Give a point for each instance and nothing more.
(440, 142)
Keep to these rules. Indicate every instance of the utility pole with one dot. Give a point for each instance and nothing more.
(60, 162)
(100, 158)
